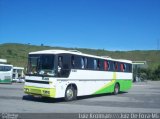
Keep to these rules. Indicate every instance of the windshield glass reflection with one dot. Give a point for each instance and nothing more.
(41, 65)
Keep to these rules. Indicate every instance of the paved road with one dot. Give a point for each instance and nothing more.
(143, 97)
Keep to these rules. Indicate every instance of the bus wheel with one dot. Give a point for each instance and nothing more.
(70, 93)
(116, 89)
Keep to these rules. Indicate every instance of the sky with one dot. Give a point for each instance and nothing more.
(96, 24)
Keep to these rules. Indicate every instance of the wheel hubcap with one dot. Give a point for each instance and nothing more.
(116, 89)
(69, 94)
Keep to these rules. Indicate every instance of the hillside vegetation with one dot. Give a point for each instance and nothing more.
(16, 54)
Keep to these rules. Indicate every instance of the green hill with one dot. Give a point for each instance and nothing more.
(16, 54)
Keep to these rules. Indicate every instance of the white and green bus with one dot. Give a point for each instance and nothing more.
(68, 74)
(6, 73)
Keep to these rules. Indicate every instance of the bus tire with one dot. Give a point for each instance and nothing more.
(116, 89)
(70, 93)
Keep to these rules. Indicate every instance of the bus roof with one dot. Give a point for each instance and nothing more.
(18, 68)
(75, 52)
(6, 65)
(3, 61)
(53, 52)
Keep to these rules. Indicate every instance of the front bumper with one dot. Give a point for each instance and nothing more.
(44, 92)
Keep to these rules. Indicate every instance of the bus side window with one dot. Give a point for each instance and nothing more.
(82, 63)
(115, 66)
(64, 65)
(66, 62)
(72, 62)
(108, 64)
(95, 64)
(101, 65)
(77, 62)
(85, 62)
(105, 66)
(122, 67)
(130, 68)
(98, 64)
(90, 65)
(60, 63)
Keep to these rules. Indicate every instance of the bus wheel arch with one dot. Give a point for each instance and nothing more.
(71, 92)
(116, 88)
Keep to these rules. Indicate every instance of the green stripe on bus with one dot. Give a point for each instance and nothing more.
(125, 84)
(109, 88)
(106, 88)
(5, 81)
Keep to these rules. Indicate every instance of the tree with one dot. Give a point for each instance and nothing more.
(156, 73)
(9, 52)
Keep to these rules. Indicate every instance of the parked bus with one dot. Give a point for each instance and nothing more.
(6, 73)
(68, 74)
(18, 74)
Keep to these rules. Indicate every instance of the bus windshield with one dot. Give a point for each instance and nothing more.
(5, 68)
(41, 65)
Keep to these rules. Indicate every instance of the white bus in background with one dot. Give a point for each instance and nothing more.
(18, 74)
(5, 71)
(68, 74)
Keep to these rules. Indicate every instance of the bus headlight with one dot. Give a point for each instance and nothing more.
(26, 89)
